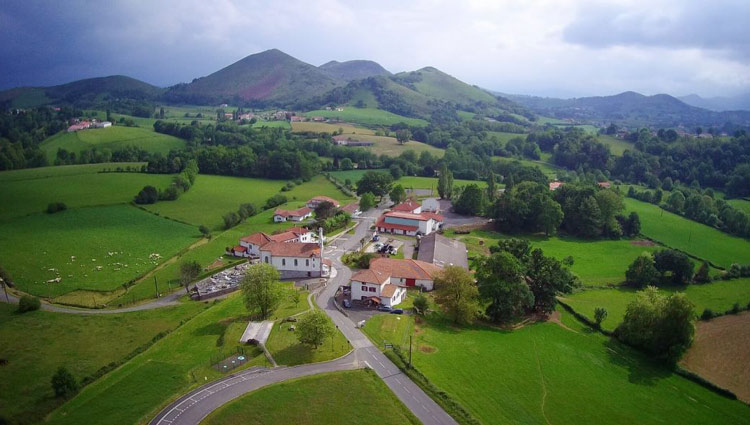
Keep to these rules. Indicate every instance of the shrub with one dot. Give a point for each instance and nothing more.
(735, 308)
(64, 383)
(275, 201)
(708, 314)
(205, 231)
(421, 304)
(56, 207)
(147, 195)
(28, 303)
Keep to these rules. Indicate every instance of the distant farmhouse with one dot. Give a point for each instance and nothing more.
(314, 202)
(347, 140)
(300, 214)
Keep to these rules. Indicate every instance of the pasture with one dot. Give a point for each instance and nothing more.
(719, 296)
(213, 196)
(504, 137)
(616, 146)
(689, 236)
(596, 262)
(408, 182)
(559, 373)
(35, 344)
(323, 127)
(719, 353)
(273, 124)
(548, 169)
(112, 138)
(30, 191)
(298, 401)
(389, 146)
(366, 116)
(740, 204)
(97, 248)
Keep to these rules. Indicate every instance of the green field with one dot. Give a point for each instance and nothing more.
(287, 350)
(112, 138)
(740, 204)
(366, 116)
(213, 196)
(719, 296)
(616, 146)
(406, 181)
(30, 191)
(171, 367)
(550, 170)
(299, 402)
(547, 373)
(504, 137)
(35, 344)
(689, 236)
(118, 239)
(273, 124)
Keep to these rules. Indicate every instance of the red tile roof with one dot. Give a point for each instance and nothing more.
(410, 216)
(388, 290)
(259, 239)
(300, 212)
(320, 198)
(239, 248)
(407, 206)
(406, 269)
(371, 276)
(292, 249)
(351, 208)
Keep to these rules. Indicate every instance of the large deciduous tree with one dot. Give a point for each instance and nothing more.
(457, 294)
(642, 272)
(445, 183)
(377, 183)
(501, 283)
(678, 264)
(471, 201)
(314, 328)
(261, 290)
(189, 271)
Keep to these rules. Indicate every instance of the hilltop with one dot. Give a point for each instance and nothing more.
(267, 78)
(353, 70)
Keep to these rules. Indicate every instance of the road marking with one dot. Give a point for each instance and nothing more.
(406, 389)
(367, 364)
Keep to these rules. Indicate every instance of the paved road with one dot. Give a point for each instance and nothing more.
(164, 301)
(194, 406)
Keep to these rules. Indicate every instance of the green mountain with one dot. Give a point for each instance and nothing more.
(267, 78)
(633, 110)
(353, 70)
(82, 93)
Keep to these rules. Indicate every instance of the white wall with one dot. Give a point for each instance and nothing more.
(306, 264)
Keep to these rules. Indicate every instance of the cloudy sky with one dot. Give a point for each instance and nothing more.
(546, 47)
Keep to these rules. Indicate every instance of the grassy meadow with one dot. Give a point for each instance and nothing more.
(740, 204)
(559, 373)
(286, 349)
(97, 248)
(112, 138)
(690, 236)
(550, 170)
(273, 124)
(366, 116)
(719, 296)
(406, 181)
(35, 344)
(30, 191)
(213, 196)
(298, 401)
(616, 146)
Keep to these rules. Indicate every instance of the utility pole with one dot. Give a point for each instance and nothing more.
(5, 288)
(409, 351)
(156, 285)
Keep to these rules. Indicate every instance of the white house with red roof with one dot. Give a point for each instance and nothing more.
(375, 286)
(254, 242)
(300, 214)
(352, 209)
(410, 224)
(409, 207)
(407, 272)
(292, 252)
(314, 202)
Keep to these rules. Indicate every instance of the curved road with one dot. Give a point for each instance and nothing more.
(191, 408)
(164, 301)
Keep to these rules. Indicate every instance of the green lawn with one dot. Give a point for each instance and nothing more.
(596, 262)
(111, 245)
(274, 124)
(544, 373)
(719, 296)
(550, 170)
(172, 366)
(616, 146)
(356, 397)
(213, 196)
(30, 191)
(367, 116)
(112, 138)
(287, 350)
(35, 344)
(692, 237)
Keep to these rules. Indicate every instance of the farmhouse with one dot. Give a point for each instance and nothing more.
(102, 124)
(431, 205)
(81, 125)
(407, 223)
(605, 185)
(407, 272)
(441, 251)
(373, 285)
(352, 209)
(293, 252)
(314, 202)
(555, 185)
(349, 141)
(408, 207)
(281, 215)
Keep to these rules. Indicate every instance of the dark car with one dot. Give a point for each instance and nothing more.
(375, 238)
(397, 311)
(347, 304)
(384, 308)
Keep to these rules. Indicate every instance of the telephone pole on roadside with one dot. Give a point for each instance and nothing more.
(5, 288)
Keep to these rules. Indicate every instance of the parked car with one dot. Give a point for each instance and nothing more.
(378, 246)
(384, 308)
(397, 311)
(375, 238)
(347, 304)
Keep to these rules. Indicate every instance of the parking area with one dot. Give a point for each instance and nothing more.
(359, 311)
(451, 219)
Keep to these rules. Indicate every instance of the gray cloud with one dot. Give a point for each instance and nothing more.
(720, 26)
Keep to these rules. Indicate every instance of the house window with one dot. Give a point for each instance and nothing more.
(372, 289)
(283, 261)
(307, 263)
(266, 260)
(295, 262)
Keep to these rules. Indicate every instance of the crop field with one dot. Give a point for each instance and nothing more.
(719, 296)
(35, 344)
(172, 366)
(719, 353)
(213, 196)
(366, 116)
(116, 137)
(299, 402)
(97, 248)
(596, 262)
(30, 191)
(560, 373)
(616, 146)
(692, 237)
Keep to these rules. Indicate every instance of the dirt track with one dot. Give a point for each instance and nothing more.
(720, 353)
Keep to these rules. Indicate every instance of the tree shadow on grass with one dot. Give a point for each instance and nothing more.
(642, 370)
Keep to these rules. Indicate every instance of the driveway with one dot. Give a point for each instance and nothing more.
(451, 219)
